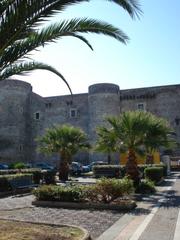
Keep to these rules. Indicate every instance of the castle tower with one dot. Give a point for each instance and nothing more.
(103, 100)
(15, 128)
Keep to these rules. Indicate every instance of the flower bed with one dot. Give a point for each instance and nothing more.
(105, 194)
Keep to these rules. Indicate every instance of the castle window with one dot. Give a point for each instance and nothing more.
(177, 121)
(20, 148)
(73, 113)
(21, 109)
(48, 105)
(37, 115)
(141, 106)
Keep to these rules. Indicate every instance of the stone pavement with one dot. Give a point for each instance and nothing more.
(157, 217)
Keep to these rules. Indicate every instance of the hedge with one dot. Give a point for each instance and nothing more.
(38, 175)
(120, 171)
(105, 190)
(5, 180)
(154, 174)
(107, 171)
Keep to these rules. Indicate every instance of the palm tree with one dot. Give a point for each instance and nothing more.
(21, 31)
(139, 133)
(106, 142)
(66, 141)
(130, 128)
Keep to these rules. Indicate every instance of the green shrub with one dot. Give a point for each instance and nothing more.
(37, 176)
(59, 193)
(107, 171)
(164, 168)
(107, 190)
(4, 184)
(146, 187)
(14, 179)
(49, 177)
(17, 165)
(154, 174)
(123, 171)
(141, 168)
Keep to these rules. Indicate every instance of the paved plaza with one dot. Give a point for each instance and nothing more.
(156, 216)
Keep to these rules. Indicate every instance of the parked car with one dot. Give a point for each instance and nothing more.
(91, 165)
(86, 168)
(3, 166)
(44, 166)
(75, 168)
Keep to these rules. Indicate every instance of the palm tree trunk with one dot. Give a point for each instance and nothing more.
(131, 167)
(63, 168)
(149, 159)
(109, 158)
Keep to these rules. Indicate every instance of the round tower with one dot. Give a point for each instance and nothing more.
(104, 101)
(14, 120)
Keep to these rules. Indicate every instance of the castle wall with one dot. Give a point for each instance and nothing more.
(162, 101)
(24, 115)
(14, 120)
(37, 119)
(103, 101)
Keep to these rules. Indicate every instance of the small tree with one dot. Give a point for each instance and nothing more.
(129, 129)
(136, 133)
(66, 141)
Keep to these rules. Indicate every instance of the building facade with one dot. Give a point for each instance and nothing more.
(24, 115)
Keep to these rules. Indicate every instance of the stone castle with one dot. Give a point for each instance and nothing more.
(24, 115)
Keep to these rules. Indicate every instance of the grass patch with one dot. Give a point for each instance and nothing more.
(21, 230)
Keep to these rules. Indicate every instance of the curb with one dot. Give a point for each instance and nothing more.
(97, 206)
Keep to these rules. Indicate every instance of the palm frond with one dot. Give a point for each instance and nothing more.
(55, 31)
(24, 67)
(18, 35)
(20, 16)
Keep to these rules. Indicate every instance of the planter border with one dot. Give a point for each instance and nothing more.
(86, 233)
(80, 205)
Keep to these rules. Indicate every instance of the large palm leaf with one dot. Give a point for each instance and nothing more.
(19, 34)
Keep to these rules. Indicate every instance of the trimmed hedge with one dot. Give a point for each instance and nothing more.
(58, 193)
(14, 171)
(105, 190)
(7, 180)
(142, 168)
(38, 175)
(118, 171)
(107, 171)
(154, 174)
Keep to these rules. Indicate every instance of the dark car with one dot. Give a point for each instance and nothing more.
(3, 166)
(44, 166)
(86, 168)
(75, 168)
(91, 165)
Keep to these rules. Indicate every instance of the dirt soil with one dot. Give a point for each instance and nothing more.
(28, 231)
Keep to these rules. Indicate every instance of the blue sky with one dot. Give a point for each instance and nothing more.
(151, 58)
